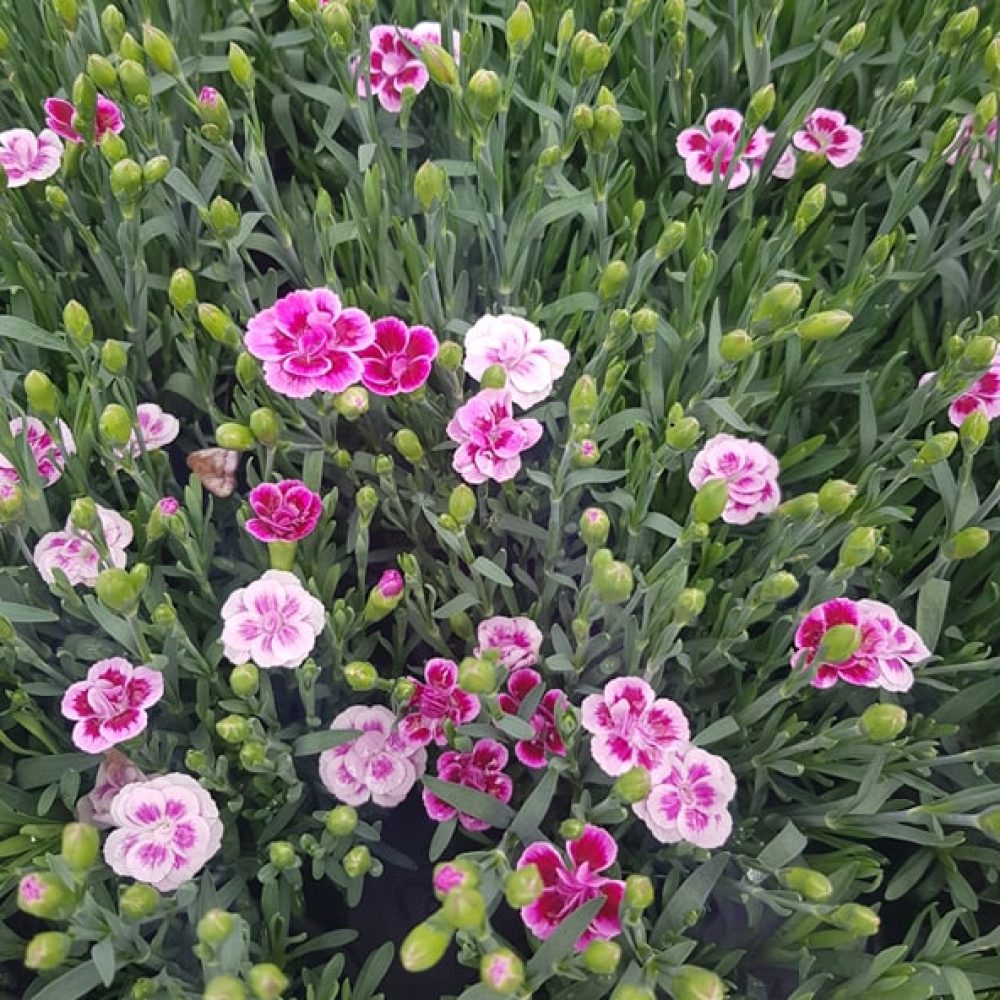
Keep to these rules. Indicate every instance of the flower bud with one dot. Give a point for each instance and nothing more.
(76, 319)
(265, 426)
(594, 527)
(973, 432)
(612, 581)
(710, 501)
(824, 325)
(41, 894)
(81, 845)
(859, 547)
(639, 892)
(440, 66)
(627, 991)
(126, 180)
(991, 59)
(425, 945)
(801, 507)
(430, 185)
(282, 855)
(778, 587)
(450, 356)
(602, 957)
(267, 981)
(41, 393)
(451, 875)
(989, 823)
(115, 425)
(760, 107)
(838, 644)
(810, 208)
(585, 454)
(56, 198)
(244, 680)
(130, 49)
(671, 240)
(234, 437)
(224, 218)
(338, 25)
(607, 127)
(583, 118)
(520, 28)
(84, 95)
(352, 403)
(408, 445)
(937, 448)
(138, 901)
(612, 282)
(477, 676)
(985, 112)
(682, 432)
(214, 112)
(367, 501)
(253, 754)
(485, 93)
(777, 304)
(835, 496)
(182, 291)
(11, 503)
(464, 909)
(224, 988)
(233, 729)
(583, 400)
(102, 72)
(958, 28)
(240, 68)
(571, 829)
(689, 605)
(502, 971)
(694, 983)
(851, 40)
(113, 25)
(634, 785)
(154, 170)
(861, 921)
(462, 504)
(494, 377)
(944, 137)
(966, 543)
(47, 950)
(566, 29)
(160, 49)
(341, 821)
(883, 723)
(360, 675)
(735, 346)
(811, 885)
(523, 887)
(114, 357)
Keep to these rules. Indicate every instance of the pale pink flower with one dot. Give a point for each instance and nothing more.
(547, 739)
(309, 343)
(286, 511)
(59, 115)
(532, 365)
(709, 151)
(379, 765)
(48, 453)
(436, 701)
(114, 773)
(826, 132)
(570, 886)
(490, 440)
(273, 622)
(630, 726)
(109, 707)
(27, 157)
(155, 429)
(517, 640)
(166, 831)
(691, 791)
(983, 145)
(784, 169)
(394, 63)
(480, 769)
(400, 357)
(76, 553)
(749, 470)
(983, 395)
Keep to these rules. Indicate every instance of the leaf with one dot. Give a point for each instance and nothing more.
(932, 604)
(784, 848)
(718, 730)
(460, 603)
(471, 802)
(24, 615)
(313, 743)
(371, 974)
(14, 328)
(484, 567)
(691, 895)
(529, 817)
(541, 966)
(72, 985)
(722, 409)
(103, 957)
(515, 728)
(588, 477)
(35, 772)
(185, 187)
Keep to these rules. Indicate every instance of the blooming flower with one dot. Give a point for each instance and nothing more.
(883, 658)
(114, 773)
(286, 511)
(399, 359)
(490, 440)
(517, 640)
(274, 622)
(155, 429)
(532, 753)
(75, 552)
(709, 151)
(982, 395)
(630, 726)
(59, 116)
(308, 343)
(827, 132)
(691, 790)
(982, 145)
(166, 830)
(379, 765)
(481, 769)
(784, 169)
(48, 455)
(750, 472)
(27, 157)
(570, 886)
(532, 365)
(109, 707)
(437, 700)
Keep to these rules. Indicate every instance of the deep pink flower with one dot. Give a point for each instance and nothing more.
(490, 440)
(532, 753)
(570, 886)
(630, 726)
(166, 830)
(309, 343)
(709, 151)
(168, 506)
(750, 472)
(784, 169)
(59, 116)
(437, 700)
(48, 454)
(982, 145)
(286, 511)
(27, 157)
(391, 584)
(75, 551)
(209, 96)
(448, 876)
(691, 790)
(983, 395)
(379, 765)
(827, 132)
(481, 769)
(400, 357)
(114, 773)
(155, 429)
(517, 640)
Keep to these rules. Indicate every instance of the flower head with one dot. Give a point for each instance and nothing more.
(59, 115)
(154, 428)
(48, 454)
(75, 551)
(168, 506)
(481, 769)
(517, 640)
(399, 359)
(708, 152)
(784, 169)
(114, 773)
(547, 739)
(983, 395)
(391, 584)
(826, 132)
(27, 157)
(749, 470)
(286, 511)
(436, 701)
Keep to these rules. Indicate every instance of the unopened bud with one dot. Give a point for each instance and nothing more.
(462, 504)
(102, 72)
(882, 723)
(485, 92)
(267, 981)
(992, 61)
(224, 218)
(126, 180)
(76, 319)
(811, 885)
(835, 496)
(154, 170)
(566, 29)
(944, 137)
(974, 430)
(612, 581)
(628, 991)
(130, 49)
(440, 65)
(234, 437)
(584, 454)
(824, 325)
(689, 605)
(523, 886)
(360, 675)
(838, 644)
(989, 823)
(682, 432)
(430, 185)
(594, 527)
(861, 921)
(607, 129)
(81, 845)
(694, 983)
(41, 393)
(735, 346)
(113, 25)
(520, 28)
(233, 729)
(11, 502)
(47, 950)
(135, 83)
(602, 957)
(160, 49)
(41, 894)
(778, 303)
(671, 239)
(778, 587)
(224, 988)
(958, 28)
(425, 945)
(639, 892)
(859, 547)
(634, 785)
(464, 909)
(710, 501)
(450, 355)
(937, 448)
(502, 971)
(477, 676)
(495, 377)
(760, 107)
(281, 854)
(801, 507)
(810, 208)
(240, 67)
(115, 425)
(217, 324)
(408, 445)
(966, 543)
(138, 901)
(851, 40)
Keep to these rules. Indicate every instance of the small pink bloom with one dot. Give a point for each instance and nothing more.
(750, 472)
(983, 395)
(59, 115)
(286, 511)
(448, 876)
(532, 365)
(490, 440)
(391, 584)
(630, 726)
(480, 769)
(115, 772)
(76, 552)
(31, 889)
(570, 886)
(379, 765)
(709, 151)
(784, 169)
(309, 343)
(394, 64)
(518, 640)
(689, 799)
(827, 132)
(26, 157)
(48, 454)
(209, 96)
(983, 145)
(547, 739)
(437, 700)
(168, 506)
(273, 622)
(166, 831)
(400, 357)
(155, 429)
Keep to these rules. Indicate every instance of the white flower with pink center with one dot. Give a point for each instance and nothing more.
(750, 472)
(155, 429)
(115, 772)
(827, 133)
(517, 640)
(48, 454)
(708, 152)
(75, 552)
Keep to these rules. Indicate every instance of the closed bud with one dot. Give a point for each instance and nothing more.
(138, 901)
(800, 507)
(550, 156)
(694, 983)
(882, 723)
(979, 352)
(244, 680)
(338, 25)
(812, 886)
(450, 356)
(612, 282)
(596, 58)
(76, 319)
(477, 676)
(594, 527)
(584, 454)
(224, 988)
(571, 829)
(937, 448)
(403, 690)
(835, 496)
(689, 605)
(464, 909)
(639, 892)
(778, 303)
(634, 10)
(253, 754)
(851, 40)
(81, 845)
(985, 112)
(945, 136)
(113, 25)
(628, 991)
(41, 393)
(582, 43)
(674, 14)
(702, 268)
(235, 437)
(583, 118)
(973, 432)
(130, 49)
(710, 501)
(634, 785)
(240, 67)
(360, 675)
(440, 65)
(602, 957)
(47, 950)
(824, 325)
(126, 180)
(523, 886)
(224, 218)
(485, 93)
(502, 971)
(352, 403)
(606, 23)
(671, 239)
(265, 426)
(282, 855)
(408, 445)
(247, 369)
(233, 729)
(838, 644)
(760, 107)
(810, 208)
(735, 346)
(214, 111)
(992, 61)
(84, 95)
(267, 981)
(461, 624)
(154, 170)
(958, 28)
(115, 425)
(430, 184)
(859, 547)
(989, 823)
(218, 325)
(520, 28)
(566, 28)
(102, 72)
(860, 921)
(366, 500)
(905, 90)
(182, 291)
(682, 432)
(607, 127)
(57, 199)
(612, 582)
(462, 504)
(341, 821)
(135, 83)
(41, 894)
(778, 587)
(966, 543)
(495, 377)
(11, 506)
(425, 945)
(157, 45)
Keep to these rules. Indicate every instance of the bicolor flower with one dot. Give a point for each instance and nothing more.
(286, 511)
(517, 640)
(981, 146)
(436, 700)
(533, 753)
(708, 152)
(154, 428)
(47, 452)
(59, 115)
(480, 769)
(983, 395)
(399, 359)
(749, 470)
(77, 554)
(26, 157)
(114, 773)
(827, 133)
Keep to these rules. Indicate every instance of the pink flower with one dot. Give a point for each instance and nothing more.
(750, 472)
(309, 343)
(166, 830)
(75, 551)
(984, 144)
(429, 33)
(274, 622)
(114, 773)
(391, 584)
(490, 440)
(48, 455)
(532, 753)
(209, 96)
(827, 132)
(436, 701)
(59, 115)
(691, 790)
(784, 169)
(109, 707)
(518, 640)
(393, 65)
(400, 357)
(155, 429)
(709, 151)
(286, 511)
(983, 395)
(448, 876)
(532, 365)
(168, 506)
(570, 886)
(481, 769)
(379, 765)
(884, 657)
(630, 726)
(26, 157)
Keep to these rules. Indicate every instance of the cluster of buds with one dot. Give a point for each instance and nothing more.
(612, 580)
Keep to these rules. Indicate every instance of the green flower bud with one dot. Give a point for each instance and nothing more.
(859, 547)
(835, 496)
(973, 432)
(341, 821)
(966, 543)
(520, 28)
(247, 369)
(585, 454)
(594, 527)
(671, 240)
(408, 445)
(464, 909)
(702, 268)
(102, 72)
(430, 185)
(265, 426)
(342, 458)
(602, 957)
(224, 988)
(710, 501)
(635, 9)
(613, 582)
(778, 587)
(55, 198)
(366, 500)
(639, 892)
(495, 377)
(760, 107)
(244, 680)
(115, 425)
(214, 112)
(944, 137)
(11, 503)
(824, 325)
(682, 432)
(233, 729)
(477, 676)
(838, 644)
(851, 40)
(197, 761)
(694, 983)
(47, 950)
(634, 785)
(979, 352)
(958, 28)
(674, 14)
(113, 25)
(41, 894)
(126, 180)
(566, 29)
(485, 92)
(41, 393)
(626, 991)
(689, 605)
(777, 304)
(462, 504)
(138, 901)
(883, 723)
(984, 113)
(215, 926)
(425, 945)
(801, 507)
(338, 25)
(735, 346)
(154, 170)
(224, 218)
(937, 448)
(76, 319)
(67, 12)
(164, 614)
(360, 675)
(440, 66)
(523, 886)
(502, 971)
(810, 208)
(129, 49)
(860, 921)
(160, 49)
(81, 845)
(240, 68)
(583, 400)
(84, 96)
(905, 90)
(352, 403)
(812, 886)
(282, 855)
(461, 624)
(991, 59)
(182, 291)
(583, 118)
(267, 981)
(596, 59)
(450, 356)
(571, 829)
(989, 823)
(607, 127)
(234, 437)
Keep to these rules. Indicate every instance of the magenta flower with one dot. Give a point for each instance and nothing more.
(48, 454)
(391, 584)
(630, 726)
(448, 876)
(286, 511)
(309, 343)
(570, 886)
(166, 831)
(27, 157)
(709, 151)
(750, 472)
(884, 657)
(547, 739)
(481, 769)
(59, 115)
(983, 395)
(114, 773)
(379, 765)
(532, 365)
(437, 700)
(400, 357)
(784, 169)
(75, 552)
(689, 799)
(983, 145)
(517, 640)
(826, 132)
(168, 506)
(274, 622)
(490, 440)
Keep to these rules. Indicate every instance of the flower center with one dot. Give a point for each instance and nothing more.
(398, 366)
(393, 62)
(271, 622)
